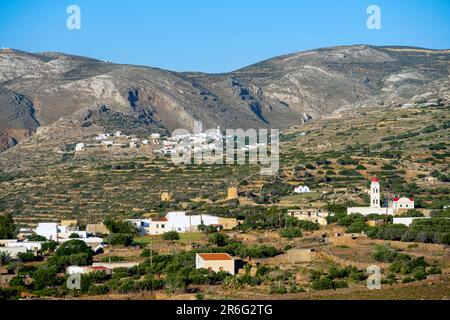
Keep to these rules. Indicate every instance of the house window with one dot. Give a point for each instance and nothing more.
(157, 226)
(163, 226)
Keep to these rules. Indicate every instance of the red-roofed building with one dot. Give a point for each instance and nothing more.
(215, 262)
(400, 204)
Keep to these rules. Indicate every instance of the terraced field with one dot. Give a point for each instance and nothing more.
(406, 148)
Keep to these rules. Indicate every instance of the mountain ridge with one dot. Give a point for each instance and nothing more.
(280, 92)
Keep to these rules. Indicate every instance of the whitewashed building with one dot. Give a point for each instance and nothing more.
(302, 189)
(180, 222)
(217, 262)
(375, 202)
(79, 147)
(407, 221)
(48, 230)
(395, 206)
(402, 203)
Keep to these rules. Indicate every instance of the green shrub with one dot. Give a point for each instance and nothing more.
(218, 239)
(171, 236)
(434, 270)
(419, 273)
(323, 283)
(278, 289)
(119, 239)
(384, 254)
(291, 233)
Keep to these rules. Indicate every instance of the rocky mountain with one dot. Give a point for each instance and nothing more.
(17, 120)
(41, 89)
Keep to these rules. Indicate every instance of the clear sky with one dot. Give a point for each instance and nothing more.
(216, 35)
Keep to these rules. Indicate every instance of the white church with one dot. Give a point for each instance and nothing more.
(395, 206)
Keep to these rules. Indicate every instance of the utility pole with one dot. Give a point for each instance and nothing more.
(1, 271)
(151, 256)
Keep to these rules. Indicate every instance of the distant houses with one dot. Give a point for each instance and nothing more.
(302, 189)
(180, 222)
(55, 232)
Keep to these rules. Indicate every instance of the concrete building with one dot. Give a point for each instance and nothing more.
(215, 262)
(228, 223)
(157, 226)
(312, 215)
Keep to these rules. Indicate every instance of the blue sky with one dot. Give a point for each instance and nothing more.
(216, 35)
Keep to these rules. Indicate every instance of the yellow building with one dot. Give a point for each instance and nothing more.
(166, 196)
(233, 193)
(97, 229)
(69, 223)
(228, 223)
(312, 215)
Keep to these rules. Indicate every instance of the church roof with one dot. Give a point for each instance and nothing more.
(398, 198)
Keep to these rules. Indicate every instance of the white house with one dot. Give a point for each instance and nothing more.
(215, 262)
(180, 222)
(141, 224)
(157, 226)
(48, 230)
(79, 147)
(302, 189)
(402, 203)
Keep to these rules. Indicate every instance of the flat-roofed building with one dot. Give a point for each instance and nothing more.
(215, 262)
(311, 215)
